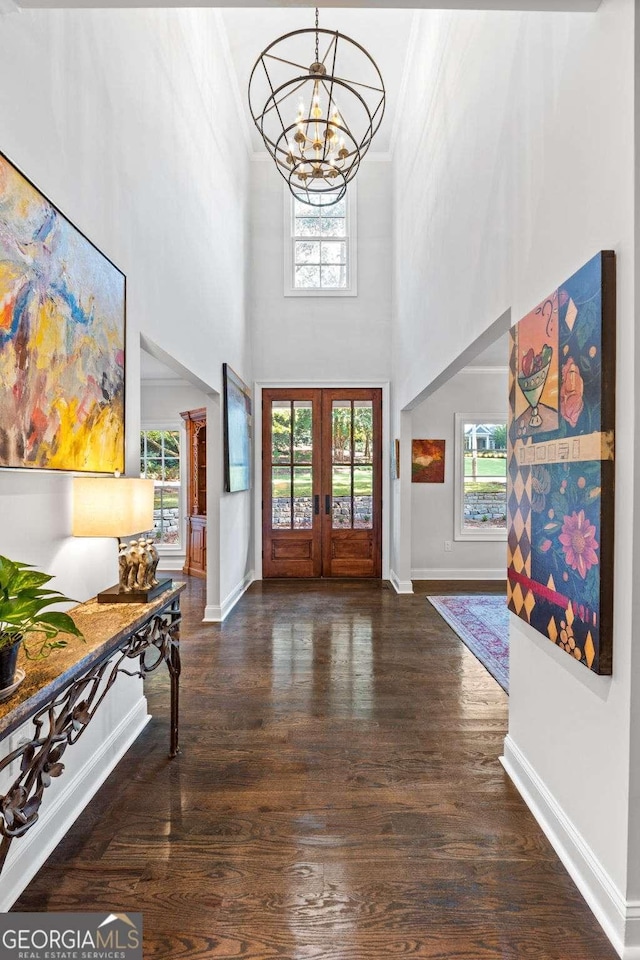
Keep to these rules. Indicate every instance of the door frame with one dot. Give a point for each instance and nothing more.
(261, 385)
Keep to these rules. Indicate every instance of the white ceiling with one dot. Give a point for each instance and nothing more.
(384, 33)
(554, 6)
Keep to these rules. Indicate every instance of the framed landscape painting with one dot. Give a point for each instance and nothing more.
(62, 339)
(237, 431)
(560, 493)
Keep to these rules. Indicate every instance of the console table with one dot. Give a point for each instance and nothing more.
(62, 693)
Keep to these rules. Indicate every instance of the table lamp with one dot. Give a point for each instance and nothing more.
(121, 507)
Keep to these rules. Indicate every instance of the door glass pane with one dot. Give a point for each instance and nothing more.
(341, 431)
(302, 499)
(281, 432)
(302, 431)
(281, 498)
(363, 431)
(341, 511)
(363, 497)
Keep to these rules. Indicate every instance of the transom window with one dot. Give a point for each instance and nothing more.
(321, 248)
(160, 462)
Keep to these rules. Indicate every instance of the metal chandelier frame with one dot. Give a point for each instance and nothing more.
(319, 151)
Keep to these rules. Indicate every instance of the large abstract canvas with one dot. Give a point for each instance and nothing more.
(237, 432)
(561, 471)
(62, 339)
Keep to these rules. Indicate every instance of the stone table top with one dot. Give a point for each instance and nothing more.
(104, 626)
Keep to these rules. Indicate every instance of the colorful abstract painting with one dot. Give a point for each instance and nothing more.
(427, 461)
(62, 339)
(560, 465)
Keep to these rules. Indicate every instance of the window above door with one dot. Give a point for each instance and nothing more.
(320, 247)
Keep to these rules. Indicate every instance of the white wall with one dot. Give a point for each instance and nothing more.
(316, 338)
(473, 391)
(164, 401)
(525, 144)
(127, 120)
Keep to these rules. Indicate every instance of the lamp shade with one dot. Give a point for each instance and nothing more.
(110, 507)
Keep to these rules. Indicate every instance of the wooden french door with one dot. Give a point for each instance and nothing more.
(322, 483)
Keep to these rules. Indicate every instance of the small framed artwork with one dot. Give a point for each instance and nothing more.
(427, 461)
(62, 338)
(237, 432)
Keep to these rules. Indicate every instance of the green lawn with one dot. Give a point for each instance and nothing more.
(487, 467)
(341, 483)
(170, 498)
(480, 487)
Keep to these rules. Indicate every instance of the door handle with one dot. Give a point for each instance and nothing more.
(327, 503)
(316, 504)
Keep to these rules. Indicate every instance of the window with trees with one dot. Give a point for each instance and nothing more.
(160, 462)
(481, 478)
(321, 248)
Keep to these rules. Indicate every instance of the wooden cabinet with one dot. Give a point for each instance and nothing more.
(196, 553)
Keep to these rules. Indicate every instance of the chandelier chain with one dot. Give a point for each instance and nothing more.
(317, 36)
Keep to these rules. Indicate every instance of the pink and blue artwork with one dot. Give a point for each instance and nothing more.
(560, 491)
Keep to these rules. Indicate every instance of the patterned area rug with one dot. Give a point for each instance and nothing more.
(482, 623)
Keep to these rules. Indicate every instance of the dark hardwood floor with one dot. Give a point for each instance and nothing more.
(338, 797)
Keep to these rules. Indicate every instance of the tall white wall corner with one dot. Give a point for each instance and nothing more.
(400, 586)
(216, 614)
(8, 6)
(620, 919)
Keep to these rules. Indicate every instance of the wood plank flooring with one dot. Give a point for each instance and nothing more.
(338, 797)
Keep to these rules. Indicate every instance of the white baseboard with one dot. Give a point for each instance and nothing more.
(28, 853)
(620, 919)
(453, 573)
(216, 614)
(172, 562)
(400, 586)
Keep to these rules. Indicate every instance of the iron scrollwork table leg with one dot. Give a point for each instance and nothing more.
(62, 722)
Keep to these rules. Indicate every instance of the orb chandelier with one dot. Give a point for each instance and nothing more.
(317, 121)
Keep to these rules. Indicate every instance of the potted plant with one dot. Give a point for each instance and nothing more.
(24, 603)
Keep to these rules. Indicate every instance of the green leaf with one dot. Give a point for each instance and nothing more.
(17, 610)
(61, 621)
(26, 579)
(8, 571)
